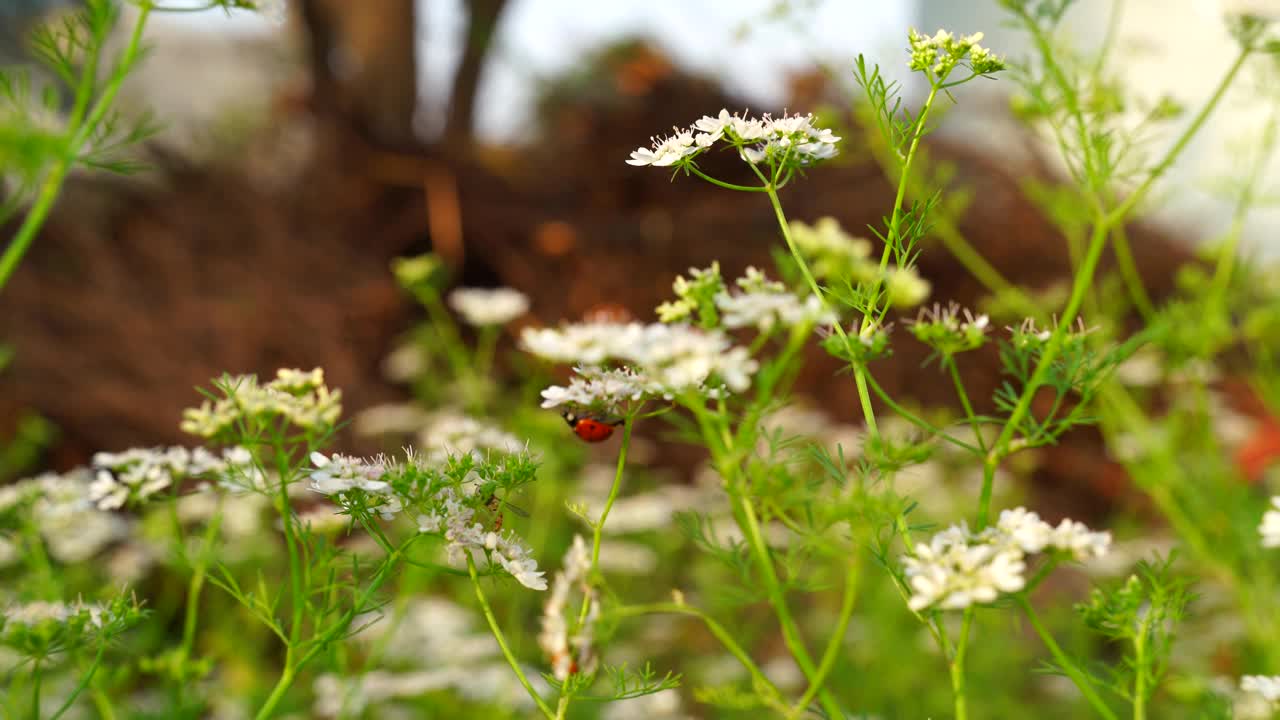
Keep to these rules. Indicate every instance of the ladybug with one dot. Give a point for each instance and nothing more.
(591, 429)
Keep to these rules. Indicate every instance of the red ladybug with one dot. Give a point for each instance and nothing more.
(591, 429)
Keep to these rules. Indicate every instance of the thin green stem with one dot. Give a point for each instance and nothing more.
(777, 597)
(725, 637)
(836, 639)
(597, 528)
(317, 644)
(84, 681)
(1079, 287)
(957, 667)
(727, 185)
(502, 643)
(1262, 159)
(1122, 210)
(916, 420)
(950, 362)
(859, 372)
(36, 676)
(1140, 669)
(1129, 273)
(1075, 673)
(894, 235)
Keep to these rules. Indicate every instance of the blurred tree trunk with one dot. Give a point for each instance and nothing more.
(483, 17)
(363, 64)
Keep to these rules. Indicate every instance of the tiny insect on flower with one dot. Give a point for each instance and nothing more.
(591, 429)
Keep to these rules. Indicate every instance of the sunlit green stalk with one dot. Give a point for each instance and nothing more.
(834, 641)
(597, 527)
(957, 667)
(1076, 674)
(726, 638)
(859, 372)
(85, 679)
(502, 642)
(79, 132)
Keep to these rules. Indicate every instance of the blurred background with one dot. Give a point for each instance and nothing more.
(306, 148)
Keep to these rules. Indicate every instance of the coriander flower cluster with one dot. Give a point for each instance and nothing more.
(568, 645)
(337, 475)
(943, 329)
(455, 520)
(482, 307)
(940, 53)
(763, 304)
(70, 524)
(833, 253)
(789, 141)
(133, 476)
(451, 433)
(1270, 527)
(1265, 687)
(659, 359)
(299, 397)
(958, 568)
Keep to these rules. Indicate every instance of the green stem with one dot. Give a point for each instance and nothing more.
(1129, 273)
(859, 372)
(1140, 670)
(777, 597)
(715, 628)
(957, 667)
(597, 528)
(502, 643)
(894, 235)
(1079, 287)
(1227, 257)
(1122, 211)
(35, 689)
(725, 185)
(1077, 676)
(84, 681)
(317, 644)
(832, 651)
(950, 362)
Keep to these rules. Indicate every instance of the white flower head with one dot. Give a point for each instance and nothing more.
(567, 644)
(483, 306)
(763, 304)
(300, 397)
(1270, 527)
(958, 568)
(671, 359)
(455, 521)
(791, 140)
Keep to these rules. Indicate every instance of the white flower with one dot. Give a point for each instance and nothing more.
(451, 433)
(672, 358)
(951, 573)
(958, 568)
(1025, 529)
(1270, 527)
(791, 139)
(139, 473)
(390, 419)
(483, 306)
(300, 397)
(1268, 687)
(670, 150)
(456, 522)
(570, 650)
(1075, 538)
(597, 387)
(338, 475)
(763, 305)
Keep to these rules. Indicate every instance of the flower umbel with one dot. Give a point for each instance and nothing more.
(959, 568)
